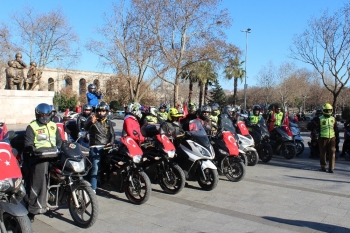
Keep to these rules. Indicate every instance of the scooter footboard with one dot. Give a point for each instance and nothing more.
(207, 164)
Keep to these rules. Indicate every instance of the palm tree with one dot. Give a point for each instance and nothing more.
(191, 76)
(206, 75)
(234, 70)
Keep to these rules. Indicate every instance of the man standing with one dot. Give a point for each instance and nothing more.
(328, 127)
(93, 96)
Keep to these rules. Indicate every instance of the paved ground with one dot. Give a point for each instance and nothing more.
(280, 196)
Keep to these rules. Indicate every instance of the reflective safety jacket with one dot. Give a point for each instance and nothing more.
(327, 127)
(279, 118)
(48, 130)
(163, 115)
(151, 119)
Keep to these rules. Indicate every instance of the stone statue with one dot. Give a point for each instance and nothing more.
(33, 77)
(15, 74)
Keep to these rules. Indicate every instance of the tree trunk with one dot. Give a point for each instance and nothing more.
(200, 84)
(190, 92)
(235, 84)
(206, 92)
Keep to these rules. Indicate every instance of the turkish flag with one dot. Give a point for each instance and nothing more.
(9, 167)
(60, 128)
(185, 110)
(3, 131)
(272, 120)
(286, 119)
(131, 144)
(167, 144)
(230, 143)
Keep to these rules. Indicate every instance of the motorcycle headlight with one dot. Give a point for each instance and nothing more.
(137, 158)
(171, 154)
(4, 185)
(77, 166)
(21, 192)
(202, 150)
(223, 152)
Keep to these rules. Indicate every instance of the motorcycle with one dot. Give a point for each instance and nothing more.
(281, 141)
(65, 182)
(347, 141)
(261, 136)
(13, 214)
(298, 141)
(195, 154)
(246, 142)
(227, 158)
(121, 165)
(159, 166)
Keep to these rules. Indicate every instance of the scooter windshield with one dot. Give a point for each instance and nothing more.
(198, 133)
(263, 128)
(225, 124)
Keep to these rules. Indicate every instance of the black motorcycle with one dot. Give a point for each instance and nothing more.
(261, 136)
(281, 141)
(120, 166)
(13, 214)
(159, 165)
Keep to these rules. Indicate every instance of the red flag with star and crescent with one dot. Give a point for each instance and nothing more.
(9, 167)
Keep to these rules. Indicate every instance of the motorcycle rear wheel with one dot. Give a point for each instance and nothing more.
(265, 153)
(142, 191)
(299, 145)
(211, 180)
(17, 224)
(252, 157)
(173, 181)
(288, 151)
(233, 170)
(88, 205)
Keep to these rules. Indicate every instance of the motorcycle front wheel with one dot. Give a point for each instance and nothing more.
(17, 224)
(138, 190)
(233, 170)
(299, 145)
(211, 179)
(85, 215)
(244, 158)
(288, 151)
(172, 181)
(252, 157)
(265, 152)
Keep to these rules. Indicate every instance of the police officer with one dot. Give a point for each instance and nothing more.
(278, 116)
(214, 116)
(327, 126)
(255, 117)
(40, 133)
(162, 113)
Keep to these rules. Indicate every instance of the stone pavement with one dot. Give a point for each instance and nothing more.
(280, 196)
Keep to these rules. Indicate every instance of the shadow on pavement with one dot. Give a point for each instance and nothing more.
(55, 214)
(106, 193)
(321, 227)
(308, 178)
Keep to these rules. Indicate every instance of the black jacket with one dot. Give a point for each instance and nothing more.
(81, 120)
(101, 133)
(172, 130)
(185, 122)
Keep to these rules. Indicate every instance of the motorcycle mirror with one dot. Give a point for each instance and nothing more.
(41, 137)
(9, 135)
(81, 134)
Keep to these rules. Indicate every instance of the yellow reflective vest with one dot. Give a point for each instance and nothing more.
(151, 119)
(49, 130)
(327, 127)
(279, 118)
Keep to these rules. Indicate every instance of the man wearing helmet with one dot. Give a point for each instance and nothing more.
(171, 126)
(93, 96)
(192, 114)
(40, 134)
(54, 117)
(231, 113)
(255, 117)
(131, 126)
(205, 119)
(81, 120)
(162, 114)
(327, 126)
(151, 117)
(214, 116)
(101, 134)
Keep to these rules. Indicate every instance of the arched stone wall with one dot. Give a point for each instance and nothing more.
(50, 84)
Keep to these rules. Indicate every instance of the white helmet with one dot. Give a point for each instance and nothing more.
(134, 109)
(152, 110)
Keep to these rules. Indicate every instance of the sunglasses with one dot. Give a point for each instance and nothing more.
(100, 110)
(43, 114)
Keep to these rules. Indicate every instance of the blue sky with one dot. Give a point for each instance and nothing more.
(273, 24)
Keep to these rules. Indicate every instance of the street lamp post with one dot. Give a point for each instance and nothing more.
(245, 72)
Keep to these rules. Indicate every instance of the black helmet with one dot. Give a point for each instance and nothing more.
(215, 107)
(319, 112)
(92, 88)
(162, 106)
(205, 108)
(102, 106)
(192, 108)
(87, 107)
(43, 113)
(228, 110)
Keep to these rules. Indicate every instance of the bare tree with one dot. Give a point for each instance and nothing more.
(187, 32)
(267, 77)
(46, 38)
(129, 48)
(326, 46)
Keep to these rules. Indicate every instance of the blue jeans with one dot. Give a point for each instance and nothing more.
(95, 157)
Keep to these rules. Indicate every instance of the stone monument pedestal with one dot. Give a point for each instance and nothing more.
(18, 106)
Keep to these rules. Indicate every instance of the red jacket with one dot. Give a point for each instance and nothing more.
(131, 124)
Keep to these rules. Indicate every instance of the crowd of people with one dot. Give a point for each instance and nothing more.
(173, 121)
